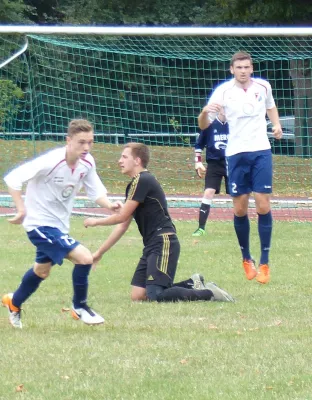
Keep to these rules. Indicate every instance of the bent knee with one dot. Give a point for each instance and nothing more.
(81, 255)
(138, 294)
(86, 260)
(42, 271)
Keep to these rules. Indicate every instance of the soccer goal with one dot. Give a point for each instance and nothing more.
(149, 85)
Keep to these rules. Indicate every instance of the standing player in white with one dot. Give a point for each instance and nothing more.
(246, 101)
(53, 180)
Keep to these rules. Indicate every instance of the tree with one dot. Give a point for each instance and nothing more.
(10, 94)
(266, 12)
(14, 11)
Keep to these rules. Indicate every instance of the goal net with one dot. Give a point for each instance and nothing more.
(151, 89)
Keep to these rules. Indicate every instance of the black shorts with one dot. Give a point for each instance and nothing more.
(158, 263)
(216, 170)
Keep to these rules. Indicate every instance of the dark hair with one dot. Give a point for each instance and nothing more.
(239, 56)
(139, 150)
(79, 125)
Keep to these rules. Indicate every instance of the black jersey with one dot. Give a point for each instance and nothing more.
(151, 215)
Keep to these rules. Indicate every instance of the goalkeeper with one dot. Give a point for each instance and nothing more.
(214, 138)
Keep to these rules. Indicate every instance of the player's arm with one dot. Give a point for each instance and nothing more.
(20, 206)
(112, 239)
(199, 146)
(274, 118)
(97, 192)
(208, 115)
(104, 202)
(15, 180)
(125, 213)
(199, 166)
(221, 115)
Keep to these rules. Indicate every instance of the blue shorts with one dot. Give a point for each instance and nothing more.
(52, 244)
(250, 172)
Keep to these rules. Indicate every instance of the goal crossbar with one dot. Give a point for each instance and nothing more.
(157, 30)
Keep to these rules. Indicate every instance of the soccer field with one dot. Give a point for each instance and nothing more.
(257, 348)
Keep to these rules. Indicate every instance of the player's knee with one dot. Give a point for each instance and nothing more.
(138, 294)
(240, 210)
(84, 258)
(42, 272)
(43, 275)
(80, 255)
(263, 207)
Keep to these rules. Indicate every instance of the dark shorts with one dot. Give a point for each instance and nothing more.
(52, 244)
(216, 170)
(250, 172)
(158, 263)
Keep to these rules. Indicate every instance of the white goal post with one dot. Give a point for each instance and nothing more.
(157, 30)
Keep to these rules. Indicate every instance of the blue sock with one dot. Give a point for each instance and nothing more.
(242, 229)
(265, 223)
(28, 286)
(80, 284)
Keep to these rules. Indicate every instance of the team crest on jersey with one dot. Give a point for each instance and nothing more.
(220, 145)
(248, 108)
(82, 174)
(67, 191)
(258, 97)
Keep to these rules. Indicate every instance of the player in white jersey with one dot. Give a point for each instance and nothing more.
(245, 102)
(53, 180)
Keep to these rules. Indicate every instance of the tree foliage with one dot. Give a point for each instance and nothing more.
(157, 12)
(10, 93)
(15, 11)
(266, 12)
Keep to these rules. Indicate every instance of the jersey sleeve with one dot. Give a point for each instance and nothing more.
(30, 169)
(93, 185)
(201, 141)
(138, 189)
(216, 96)
(269, 102)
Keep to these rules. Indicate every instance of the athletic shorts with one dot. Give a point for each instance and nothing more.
(158, 263)
(250, 172)
(216, 170)
(52, 244)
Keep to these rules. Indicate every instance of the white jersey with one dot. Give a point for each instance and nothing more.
(245, 112)
(52, 186)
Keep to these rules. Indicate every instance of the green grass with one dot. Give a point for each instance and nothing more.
(173, 167)
(258, 348)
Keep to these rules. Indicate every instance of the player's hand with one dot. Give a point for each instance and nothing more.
(212, 110)
(117, 206)
(18, 218)
(200, 169)
(96, 259)
(90, 222)
(221, 115)
(277, 131)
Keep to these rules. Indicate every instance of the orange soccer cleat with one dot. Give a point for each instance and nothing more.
(263, 275)
(14, 312)
(250, 269)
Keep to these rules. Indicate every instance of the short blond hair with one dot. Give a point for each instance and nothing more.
(79, 125)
